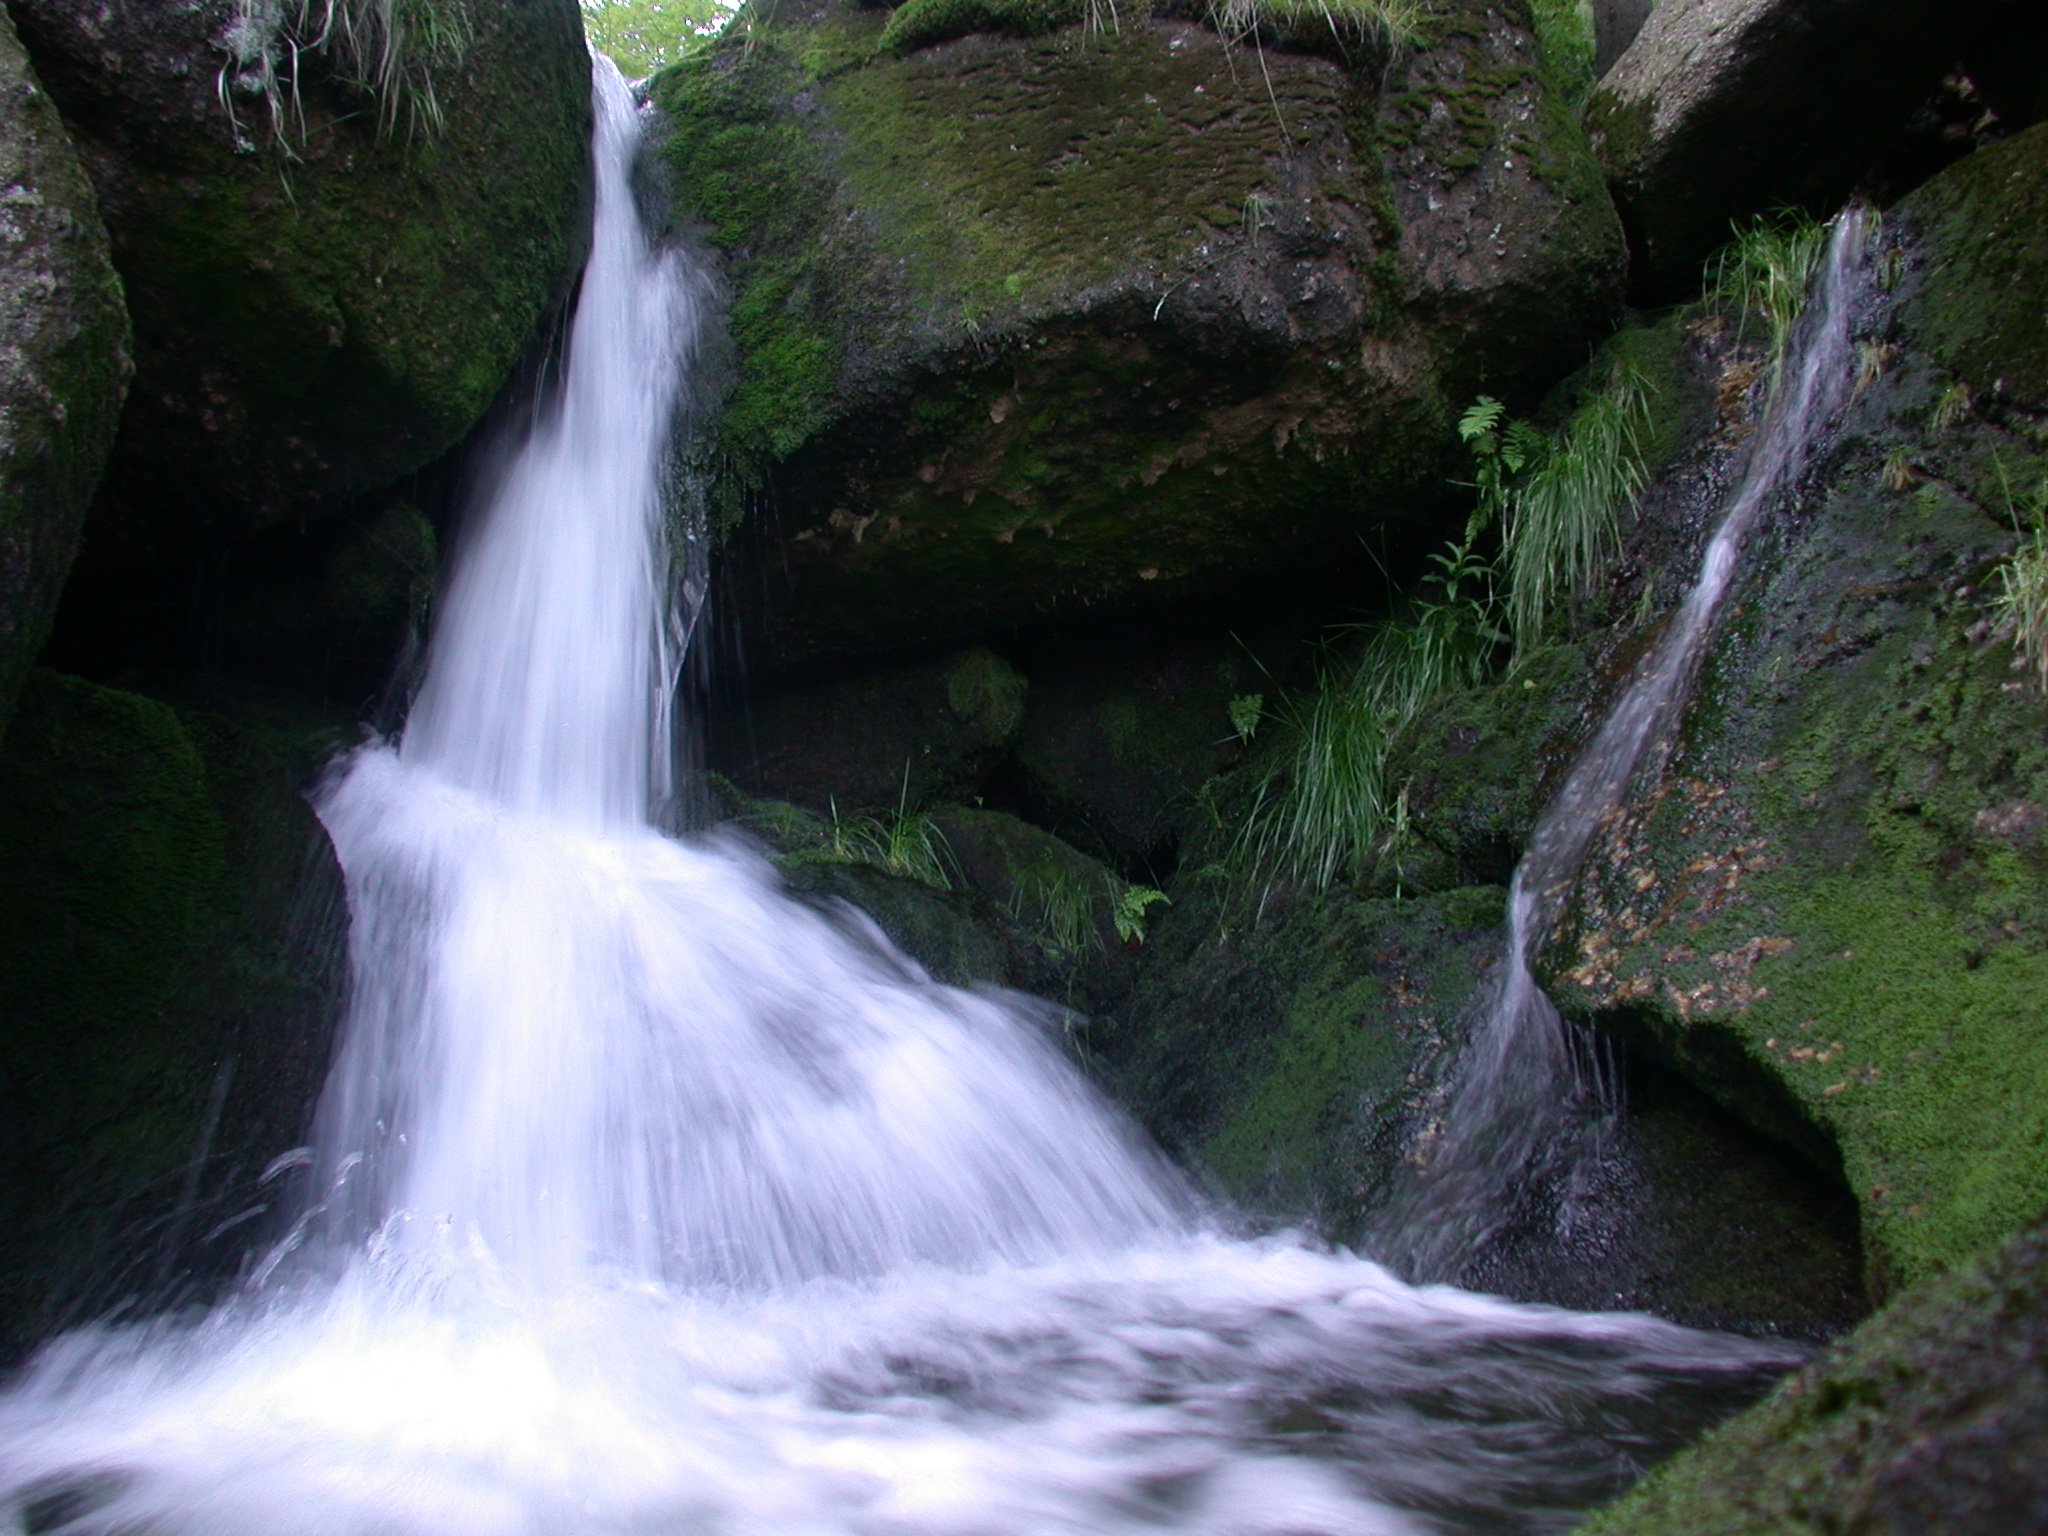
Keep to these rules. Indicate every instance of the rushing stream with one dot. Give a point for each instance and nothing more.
(649, 1200)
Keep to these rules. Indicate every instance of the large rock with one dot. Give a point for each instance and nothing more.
(169, 987)
(1722, 109)
(1030, 324)
(328, 287)
(1931, 1417)
(1826, 910)
(63, 359)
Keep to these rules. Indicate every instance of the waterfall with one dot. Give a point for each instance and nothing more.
(1519, 1082)
(648, 1199)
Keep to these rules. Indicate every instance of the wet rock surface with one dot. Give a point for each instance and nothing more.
(1932, 1417)
(168, 993)
(63, 359)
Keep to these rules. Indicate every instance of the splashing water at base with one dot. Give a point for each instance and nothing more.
(654, 1201)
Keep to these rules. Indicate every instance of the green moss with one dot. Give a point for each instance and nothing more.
(1289, 1051)
(741, 162)
(1930, 1417)
(920, 23)
(170, 907)
(1986, 234)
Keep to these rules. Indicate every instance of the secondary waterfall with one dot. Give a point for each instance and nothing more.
(650, 1200)
(1519, 1080)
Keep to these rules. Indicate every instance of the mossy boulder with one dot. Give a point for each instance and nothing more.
(1984, 226)
(171, 979)
(324, 298)
(1063, 901)
(1029, 324)
(1298, 1050)
(1826, 908)
(1723, 109)
(1288, 1045)
(1931, 1417)
(63, 360)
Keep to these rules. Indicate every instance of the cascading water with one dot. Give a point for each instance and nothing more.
(1519, 1080)
(655, 1201)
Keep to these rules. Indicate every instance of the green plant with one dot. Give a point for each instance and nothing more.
(392, 49)
(903, 842)
(1560, 500)
(1955, 403)
(1326, 813)
(1766, 270)
(1057, 908)
(2022, 601)
(2022, 597)
(1898, 469)
(1246, 711)
(1129, 906)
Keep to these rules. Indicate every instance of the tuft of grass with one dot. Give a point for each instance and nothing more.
(391, 49)
(1057, 908)
(903, 842)
(1560, 500)
(2022, 601)
(1327, 814)
(2022, 597)
(1766, 270)
(1386, 23)
(1954, 405)
(1898, 473)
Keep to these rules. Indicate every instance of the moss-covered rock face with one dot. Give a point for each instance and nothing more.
(1984, 315)
(1827, 909)
(321, 304)
(1932, 1417)
(1290, 1047)
(1028, 324)
(63, 359)
(1298, 1050)
(169, 986)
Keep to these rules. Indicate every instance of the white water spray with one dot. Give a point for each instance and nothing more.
(656, 1201)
